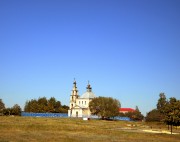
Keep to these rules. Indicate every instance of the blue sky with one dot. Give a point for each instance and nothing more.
(128, 50)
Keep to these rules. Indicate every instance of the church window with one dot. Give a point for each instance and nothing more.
(82, 102)
(85, 102)
(79, 102)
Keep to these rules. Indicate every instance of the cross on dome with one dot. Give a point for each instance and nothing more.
(89, 89)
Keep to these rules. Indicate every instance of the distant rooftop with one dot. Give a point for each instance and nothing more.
(126, 109)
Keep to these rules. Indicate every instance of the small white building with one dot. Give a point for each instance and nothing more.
(79, 106)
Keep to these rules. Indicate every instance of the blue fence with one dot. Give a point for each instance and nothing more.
(122, 118)
(65, 115)
(30, 114)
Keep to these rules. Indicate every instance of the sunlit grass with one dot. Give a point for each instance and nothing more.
(65, 129)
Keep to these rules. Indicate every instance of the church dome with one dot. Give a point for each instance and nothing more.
(88, 94)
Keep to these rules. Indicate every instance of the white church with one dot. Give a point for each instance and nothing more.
(79, 105)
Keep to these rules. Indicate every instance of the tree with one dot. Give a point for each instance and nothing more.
(65, 109)
(7, 111)
(138, 116)
(42, 104)
(161, 103)
(135, 115)
(27, 106)
(121, 114)
(105, 107)
(52, 105)
(2, 106)
(172, 112)
(34, 107)
(16, 110)
(169, 110)
(153, 116)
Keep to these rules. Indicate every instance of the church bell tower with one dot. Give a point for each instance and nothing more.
(74, 95)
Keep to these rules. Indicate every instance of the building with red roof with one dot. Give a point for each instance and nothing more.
(125, 110)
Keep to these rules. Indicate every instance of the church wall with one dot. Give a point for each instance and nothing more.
(82, 102)
(86, 112)
(76, 113)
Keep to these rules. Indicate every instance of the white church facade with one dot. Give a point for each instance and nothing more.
(79, 105)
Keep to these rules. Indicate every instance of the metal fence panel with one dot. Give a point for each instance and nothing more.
(31, 114)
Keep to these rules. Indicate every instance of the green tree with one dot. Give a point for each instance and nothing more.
(172, 112)
(121, 114)
(33, 106)
(52, 104)
(65, 109)
(138, 115)
(161, 103)
(135, 115)
(7, 111)
(153, 116)
(27, 106)
(58, 107)
(2, 107)
(16, 110)
(42, 104)
(104, 107)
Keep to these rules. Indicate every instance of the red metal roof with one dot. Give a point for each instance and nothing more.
(126, 109)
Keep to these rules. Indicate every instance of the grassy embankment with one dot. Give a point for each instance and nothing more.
(77, 130)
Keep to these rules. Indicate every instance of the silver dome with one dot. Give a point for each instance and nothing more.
(88, 95)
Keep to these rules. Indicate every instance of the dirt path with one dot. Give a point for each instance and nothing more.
(144, 130)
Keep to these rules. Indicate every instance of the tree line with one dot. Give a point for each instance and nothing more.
(167, 111)
(45, 105)
(15, 110)
(41, 104)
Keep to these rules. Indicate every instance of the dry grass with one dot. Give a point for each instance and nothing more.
(64, 129)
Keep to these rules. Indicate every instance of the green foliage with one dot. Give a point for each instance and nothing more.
(64, 109)
(172, 112)
(16, 110)
(7, 111)
(2, 106)
(122, 114)
(154, 116)
(135, 115)
(44, 105)
(161, 103)
(104, 107)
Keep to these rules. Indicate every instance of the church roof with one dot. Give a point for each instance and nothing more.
(88, 94)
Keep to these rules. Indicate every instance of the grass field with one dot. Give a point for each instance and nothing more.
(76, 130)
